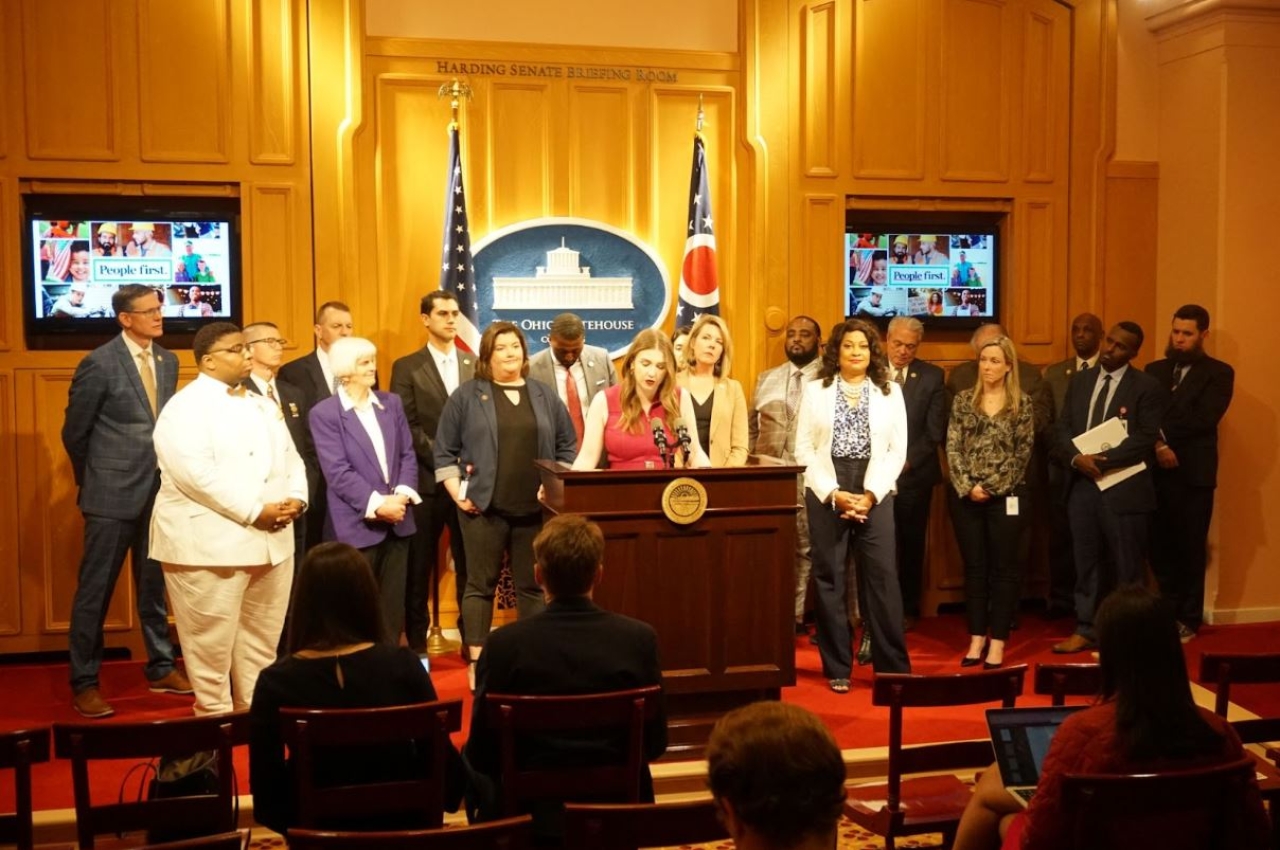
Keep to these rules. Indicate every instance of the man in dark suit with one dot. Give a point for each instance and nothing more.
(924, 393)
(572, 647)
(116, 394)
(1187, 463)
(1114, 519)
(424, 380)
(1086, 337)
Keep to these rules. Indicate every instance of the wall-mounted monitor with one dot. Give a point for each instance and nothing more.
(79, 249)
(942, 269)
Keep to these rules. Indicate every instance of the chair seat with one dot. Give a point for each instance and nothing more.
(928, 803)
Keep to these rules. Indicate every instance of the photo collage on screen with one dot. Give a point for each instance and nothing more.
(80, 264)
(919, 274)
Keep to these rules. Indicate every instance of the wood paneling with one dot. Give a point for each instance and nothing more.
(70, 80)
(272, 252)
(184, 68)
(821, 256)
(520, 121)
(10, 575)
(10, 272)
(602, 160)
(1044, 114)
(273, 82)
(892, 99)
(818, 75)
(973, 101)
(1040, 270)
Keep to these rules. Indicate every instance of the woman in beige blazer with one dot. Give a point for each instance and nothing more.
(720, 406)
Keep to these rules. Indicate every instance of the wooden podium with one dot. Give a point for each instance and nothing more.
(719, 591)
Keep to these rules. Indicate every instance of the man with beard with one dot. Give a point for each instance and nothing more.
(901, 251)
(1187, 459)
(107, 246)
(929, 255)
(143, 242)
(771, 424)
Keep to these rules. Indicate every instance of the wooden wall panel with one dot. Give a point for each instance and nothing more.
(520, 120)
(10, 571)
(184, 66)
(602, 157)
(1040, 272)
(273, 82)
(973, 101)
(821, 257)
(1044, 118)
(818, 74)
(892, 99)
(10, 272)
(272, 252)
(70, 80)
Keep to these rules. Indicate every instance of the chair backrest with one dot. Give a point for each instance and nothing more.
(171, 738)
(238, 840)
(1223, 668)
(19, 750)
(903, 690)
(418, 797)
(629, 826)
(509, 834)
(615, 713)
(1107, 811)
(1064, 680)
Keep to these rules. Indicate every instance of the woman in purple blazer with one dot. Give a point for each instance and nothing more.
(366, 453)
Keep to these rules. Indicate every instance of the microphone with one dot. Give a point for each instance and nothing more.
(660, 440)
(682, 435)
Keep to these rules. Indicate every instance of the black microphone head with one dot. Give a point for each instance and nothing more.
(655, 425)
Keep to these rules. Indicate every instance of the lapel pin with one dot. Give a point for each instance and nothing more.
(293, 410)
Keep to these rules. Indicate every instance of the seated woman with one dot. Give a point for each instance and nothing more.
(621, 419)
(718, 401)
(1145, 721)
(337, 660)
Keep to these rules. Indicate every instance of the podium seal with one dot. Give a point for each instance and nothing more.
(684, 501)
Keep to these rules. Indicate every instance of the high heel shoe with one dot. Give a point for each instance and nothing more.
(967, 660)
(863, 656)
(991, 665)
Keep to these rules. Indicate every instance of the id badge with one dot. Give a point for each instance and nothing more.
(1011, 506)
(462, 490)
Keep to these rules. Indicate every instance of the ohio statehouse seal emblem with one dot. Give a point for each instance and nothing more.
(684, 501)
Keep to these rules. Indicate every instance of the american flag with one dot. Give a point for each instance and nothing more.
(699, 289)
(457, 271)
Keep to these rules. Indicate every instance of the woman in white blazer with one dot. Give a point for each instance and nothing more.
(851, 437)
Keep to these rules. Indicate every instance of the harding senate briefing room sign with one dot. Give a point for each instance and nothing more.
(531, 272)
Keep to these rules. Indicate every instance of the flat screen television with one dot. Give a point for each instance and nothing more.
(79, 249)
(944, 270)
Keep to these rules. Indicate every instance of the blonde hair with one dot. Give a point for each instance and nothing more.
(721, 369)
(632, 412)
(1012, 386)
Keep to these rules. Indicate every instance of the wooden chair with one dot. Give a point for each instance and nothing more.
(509, 834)
(209, 814)
(19, 750)
(631, 826)
(1224, 668)
(901, 807)
(518, 717)
(1064, 680)
(238, 840)
(418, 799)
(1118, 811)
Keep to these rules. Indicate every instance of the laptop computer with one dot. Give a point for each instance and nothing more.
(1020, 738)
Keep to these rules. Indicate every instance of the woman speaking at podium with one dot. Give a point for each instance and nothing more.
(851, 437)
(645, 419)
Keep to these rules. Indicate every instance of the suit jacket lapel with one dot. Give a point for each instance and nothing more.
(486, 390)
(431, 376)
(317, 377)
(130, 367)
(1120, 397)
(355, 432)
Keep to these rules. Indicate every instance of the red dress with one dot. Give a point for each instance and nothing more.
(633, 451)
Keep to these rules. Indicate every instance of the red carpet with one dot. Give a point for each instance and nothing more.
(38, 695)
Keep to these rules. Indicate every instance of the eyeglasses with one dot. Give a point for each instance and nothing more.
(233, 349)
(150, 314)
(274, 342)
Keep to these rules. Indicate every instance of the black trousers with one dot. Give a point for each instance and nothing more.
(989, 539)
(1178, 543)
(1102, 536)
(388, 560)
(911, 528)
(487, 537)
(436, 513)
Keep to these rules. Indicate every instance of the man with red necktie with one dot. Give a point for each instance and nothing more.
(576, 370)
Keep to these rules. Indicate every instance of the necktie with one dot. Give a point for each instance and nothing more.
(1084, 364)
(1179, 372)
(1100, 405)
(575, 406)
(794, 390)
(271, 394)
(901, 377)
(148, 379)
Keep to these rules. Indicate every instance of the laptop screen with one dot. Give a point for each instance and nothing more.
(1020, 737)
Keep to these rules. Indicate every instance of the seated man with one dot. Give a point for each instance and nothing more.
(777, 777)
(573, 647)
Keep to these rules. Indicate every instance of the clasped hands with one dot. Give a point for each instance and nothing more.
(854, 506)
(277, 515)
(393, 508)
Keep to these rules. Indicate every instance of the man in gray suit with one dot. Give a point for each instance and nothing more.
(554, 366)
(424, 380)
(116, 394)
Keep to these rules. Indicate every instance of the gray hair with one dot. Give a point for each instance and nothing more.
(910, 324)
(987, 328)
(346, 352)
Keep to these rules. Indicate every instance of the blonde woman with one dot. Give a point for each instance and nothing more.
(719, 405)
(989, 443)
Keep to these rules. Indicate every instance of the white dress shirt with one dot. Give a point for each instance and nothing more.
(323, 357)
(369, 421)
(447, 366)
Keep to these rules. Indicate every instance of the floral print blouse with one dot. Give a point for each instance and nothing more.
(851, 431)
(993, 451)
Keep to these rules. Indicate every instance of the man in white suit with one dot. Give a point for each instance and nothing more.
(555, 365)
(231, 485)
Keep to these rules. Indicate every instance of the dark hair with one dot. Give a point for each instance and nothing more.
(335, 602)
(567, 327)
(1144, 671)
(877, 371)
(1135, 329)
(1193, 312)
(487, 341)
(208, 336)
(684, 330)
(429, 300)
(779, 768)
(80, 246)
(330, 305)
(817, 328)
(569, 549)
(122, 299)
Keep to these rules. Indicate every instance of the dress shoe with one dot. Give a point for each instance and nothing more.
(864, 649)
(174, 683)
(1075, 643)
(90, 703)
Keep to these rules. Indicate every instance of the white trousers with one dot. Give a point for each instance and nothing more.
(229, 621)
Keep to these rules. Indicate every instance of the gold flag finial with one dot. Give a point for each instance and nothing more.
(701, 114)
(455, 91)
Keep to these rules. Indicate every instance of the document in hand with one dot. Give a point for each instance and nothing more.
(1098, 440)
